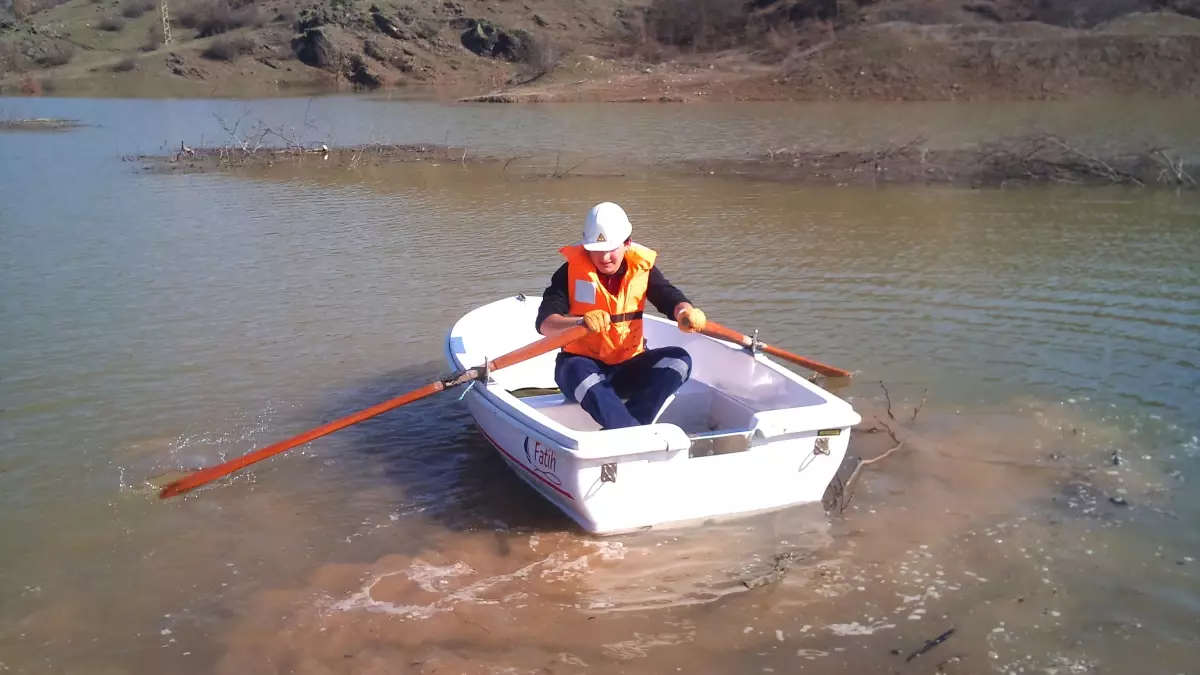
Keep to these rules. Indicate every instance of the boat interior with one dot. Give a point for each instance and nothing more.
(714, 407)
(714, 421)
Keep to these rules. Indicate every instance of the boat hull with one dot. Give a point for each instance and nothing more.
(659, 475)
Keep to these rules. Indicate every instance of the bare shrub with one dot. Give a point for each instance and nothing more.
(698, 25)
(43, 5)
(249, 15)
(12, 60)
(634, 36)
(32, 87)
(921, 13)
(1087, 13)
(154, 37)
(132, 9)
(111, 24)
(372, 50)
(125, 65)
(286, 13)
(57, 55)
(539, 56)
(213, 17)
(774, 28)
(401, 62)
(228, 48)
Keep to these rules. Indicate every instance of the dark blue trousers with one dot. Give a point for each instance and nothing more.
(646, 380)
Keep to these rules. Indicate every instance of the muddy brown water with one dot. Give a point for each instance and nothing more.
(152, 323)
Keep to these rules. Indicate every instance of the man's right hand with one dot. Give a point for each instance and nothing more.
(597, 320)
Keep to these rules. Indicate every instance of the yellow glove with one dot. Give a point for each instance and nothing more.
(597, 320)
(691, 320)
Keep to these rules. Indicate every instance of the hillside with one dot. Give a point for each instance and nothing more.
(606, 50)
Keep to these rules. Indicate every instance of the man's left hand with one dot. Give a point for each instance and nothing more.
(691, 320)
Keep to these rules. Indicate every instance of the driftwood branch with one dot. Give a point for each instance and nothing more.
(843, 491)
(558, 174)
(1172, 170)
(848, 486)
(917, 410)
(888, 397)
(1097, 164)
(512, 159)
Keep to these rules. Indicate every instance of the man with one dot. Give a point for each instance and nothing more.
(604, 285)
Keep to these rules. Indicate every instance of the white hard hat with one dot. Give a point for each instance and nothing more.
(606, 227)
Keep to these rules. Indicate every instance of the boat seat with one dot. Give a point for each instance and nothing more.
(552, 403)
(544, 402)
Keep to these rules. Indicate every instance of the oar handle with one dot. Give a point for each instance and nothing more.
(546, 344)
(714, 329)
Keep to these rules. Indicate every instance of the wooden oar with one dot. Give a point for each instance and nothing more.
(714, 329)
(525, 353)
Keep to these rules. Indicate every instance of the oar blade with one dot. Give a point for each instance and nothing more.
(203, 476)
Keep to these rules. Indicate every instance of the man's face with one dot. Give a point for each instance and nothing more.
(608, 262)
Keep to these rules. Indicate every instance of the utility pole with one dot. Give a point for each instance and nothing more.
(166, 21)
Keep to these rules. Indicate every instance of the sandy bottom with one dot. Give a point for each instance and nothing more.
(998, 533)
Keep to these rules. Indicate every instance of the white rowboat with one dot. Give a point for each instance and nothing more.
(743, 435)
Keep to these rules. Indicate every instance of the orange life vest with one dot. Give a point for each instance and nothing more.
(623, 339)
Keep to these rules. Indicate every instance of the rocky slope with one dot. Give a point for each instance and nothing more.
(608, 50)
(267, 46)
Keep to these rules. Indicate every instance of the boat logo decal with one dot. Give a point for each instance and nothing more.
(542, 460)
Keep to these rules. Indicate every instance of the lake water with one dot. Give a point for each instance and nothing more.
(152, 323)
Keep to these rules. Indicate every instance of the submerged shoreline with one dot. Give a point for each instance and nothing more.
(38, 124)
(1018, 160)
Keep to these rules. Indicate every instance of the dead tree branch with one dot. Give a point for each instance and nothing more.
(843, 491)
(510, 160)
(1097, 164)
(848, 488)
(563, 174)
(917, 410)
(1172, 169)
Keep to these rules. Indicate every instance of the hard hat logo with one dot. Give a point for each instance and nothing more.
(605, 227)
